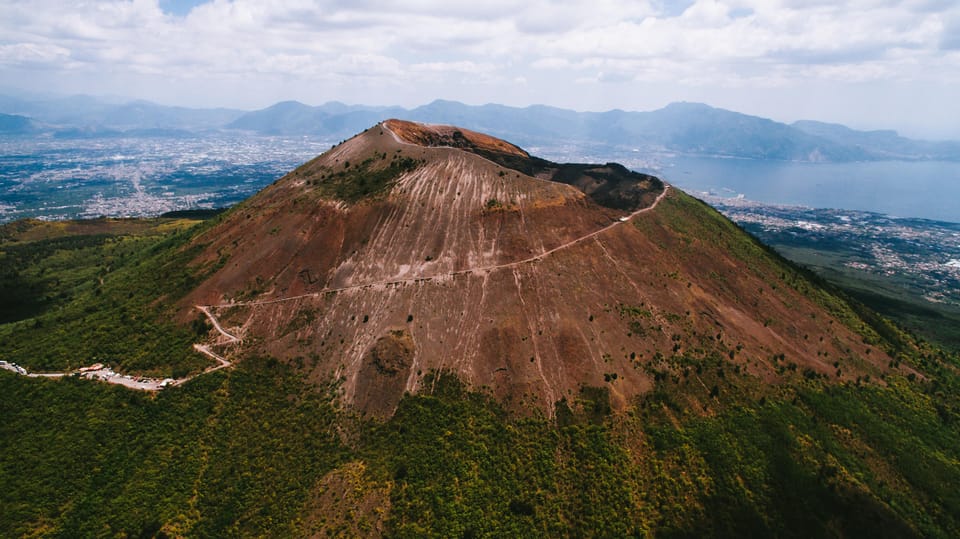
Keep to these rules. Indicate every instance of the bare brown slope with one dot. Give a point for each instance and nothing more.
(453, 211)
(610, 185)
(445, 269)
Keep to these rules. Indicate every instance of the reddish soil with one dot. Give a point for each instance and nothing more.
(447, 135)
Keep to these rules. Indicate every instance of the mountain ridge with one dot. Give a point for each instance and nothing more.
(689, 128)
(14, 124)
(692, 128)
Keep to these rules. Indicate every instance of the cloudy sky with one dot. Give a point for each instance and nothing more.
(866, 63)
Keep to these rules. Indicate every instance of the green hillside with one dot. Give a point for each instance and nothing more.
(255, 451)
(98, 291)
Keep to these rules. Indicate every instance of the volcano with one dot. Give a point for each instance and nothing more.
(428, 332)
(413, 249)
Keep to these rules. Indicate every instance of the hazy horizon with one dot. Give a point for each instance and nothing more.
(119, 100)
(867, 64)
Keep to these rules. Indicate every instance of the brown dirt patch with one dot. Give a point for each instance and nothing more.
(347, 503)
(384, 372)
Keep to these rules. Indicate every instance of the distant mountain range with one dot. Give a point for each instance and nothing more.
(687, 128)
(89, 116)
(16, 124)
(882, 144)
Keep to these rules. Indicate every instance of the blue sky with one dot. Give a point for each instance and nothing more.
(178, 7)
(865, 63)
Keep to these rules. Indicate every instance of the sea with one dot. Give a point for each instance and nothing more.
(909, 189)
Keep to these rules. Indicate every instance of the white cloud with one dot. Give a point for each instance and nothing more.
(454, 67)
(32, 54)
(333, 48)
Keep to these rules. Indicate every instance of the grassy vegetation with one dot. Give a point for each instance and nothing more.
(891, 296)
(232, 454)
(28, 288)
(694, 222)
(74, 299)
(242, 452)
(710, 451)
(357, 181)
(855, 461)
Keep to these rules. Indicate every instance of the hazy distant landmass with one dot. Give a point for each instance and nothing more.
(882, 144)
(90, 115)
(690, 128)
(687, 128)
(14, 124)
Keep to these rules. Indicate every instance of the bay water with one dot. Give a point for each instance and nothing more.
(918, 189)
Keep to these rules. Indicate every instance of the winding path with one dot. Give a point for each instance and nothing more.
(216, 324)
(478, 269)
(105, 374)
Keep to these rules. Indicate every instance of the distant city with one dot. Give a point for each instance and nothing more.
(922, 255)
(50, 178)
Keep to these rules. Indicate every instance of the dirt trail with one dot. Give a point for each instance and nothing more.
(216, 324)
(205, 309)
(154, 384)
(478, 269)
(105, 374)
(101, 373)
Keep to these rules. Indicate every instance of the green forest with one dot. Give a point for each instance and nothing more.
(71, 298)
(247, 452)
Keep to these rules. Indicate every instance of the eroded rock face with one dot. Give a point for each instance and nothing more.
(456, 259)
